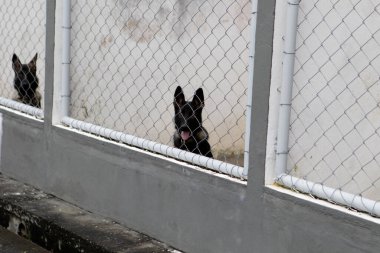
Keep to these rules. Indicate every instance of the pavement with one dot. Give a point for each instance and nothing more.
(58, 226)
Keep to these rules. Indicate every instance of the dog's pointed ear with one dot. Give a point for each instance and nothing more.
(16, 63)
(179, 97)
(33, 63)
(198, 99)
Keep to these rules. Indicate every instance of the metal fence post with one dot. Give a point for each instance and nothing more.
(250, 87)
(286, 89)
(66, 41)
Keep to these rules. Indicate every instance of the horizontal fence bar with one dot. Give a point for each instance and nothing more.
(336, 195)
(36, 112)
(186, 156)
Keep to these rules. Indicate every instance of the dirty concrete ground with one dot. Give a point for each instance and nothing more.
(12, 243)
(62, 227)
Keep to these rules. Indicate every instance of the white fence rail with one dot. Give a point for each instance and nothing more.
(200, 160)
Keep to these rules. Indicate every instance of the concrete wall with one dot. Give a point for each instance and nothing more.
(192, 209)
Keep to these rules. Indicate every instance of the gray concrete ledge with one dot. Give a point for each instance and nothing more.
(62, 227)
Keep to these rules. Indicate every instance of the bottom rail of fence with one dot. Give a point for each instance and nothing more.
(332, 194)
(33, 111)
(159, 148)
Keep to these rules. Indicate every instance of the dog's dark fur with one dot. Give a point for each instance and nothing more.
(190, 135)
(26, 81)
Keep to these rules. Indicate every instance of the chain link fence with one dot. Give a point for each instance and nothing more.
(128, 57)
(22, 48)
(334, 131)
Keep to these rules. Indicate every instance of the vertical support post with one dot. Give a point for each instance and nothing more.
(66, 43)
(262, 69)
(263, 49)
(286, 87)
(49, 62)
(248, 121)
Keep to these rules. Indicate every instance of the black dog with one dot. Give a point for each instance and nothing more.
(190, 135)
(26, 81)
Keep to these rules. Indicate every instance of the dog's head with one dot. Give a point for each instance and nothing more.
(26, 81)
(188, 114)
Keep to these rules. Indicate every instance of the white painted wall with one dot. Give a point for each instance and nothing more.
(129, 56)
(334, 132)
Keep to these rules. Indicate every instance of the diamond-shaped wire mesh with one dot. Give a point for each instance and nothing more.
(128, 57)
(334, 135)
(22, 32)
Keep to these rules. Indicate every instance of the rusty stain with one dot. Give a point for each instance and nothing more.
(139, 31)
(106, 41)
(130, 25)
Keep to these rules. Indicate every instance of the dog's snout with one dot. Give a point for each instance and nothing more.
(25, 84)
(184, 127)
